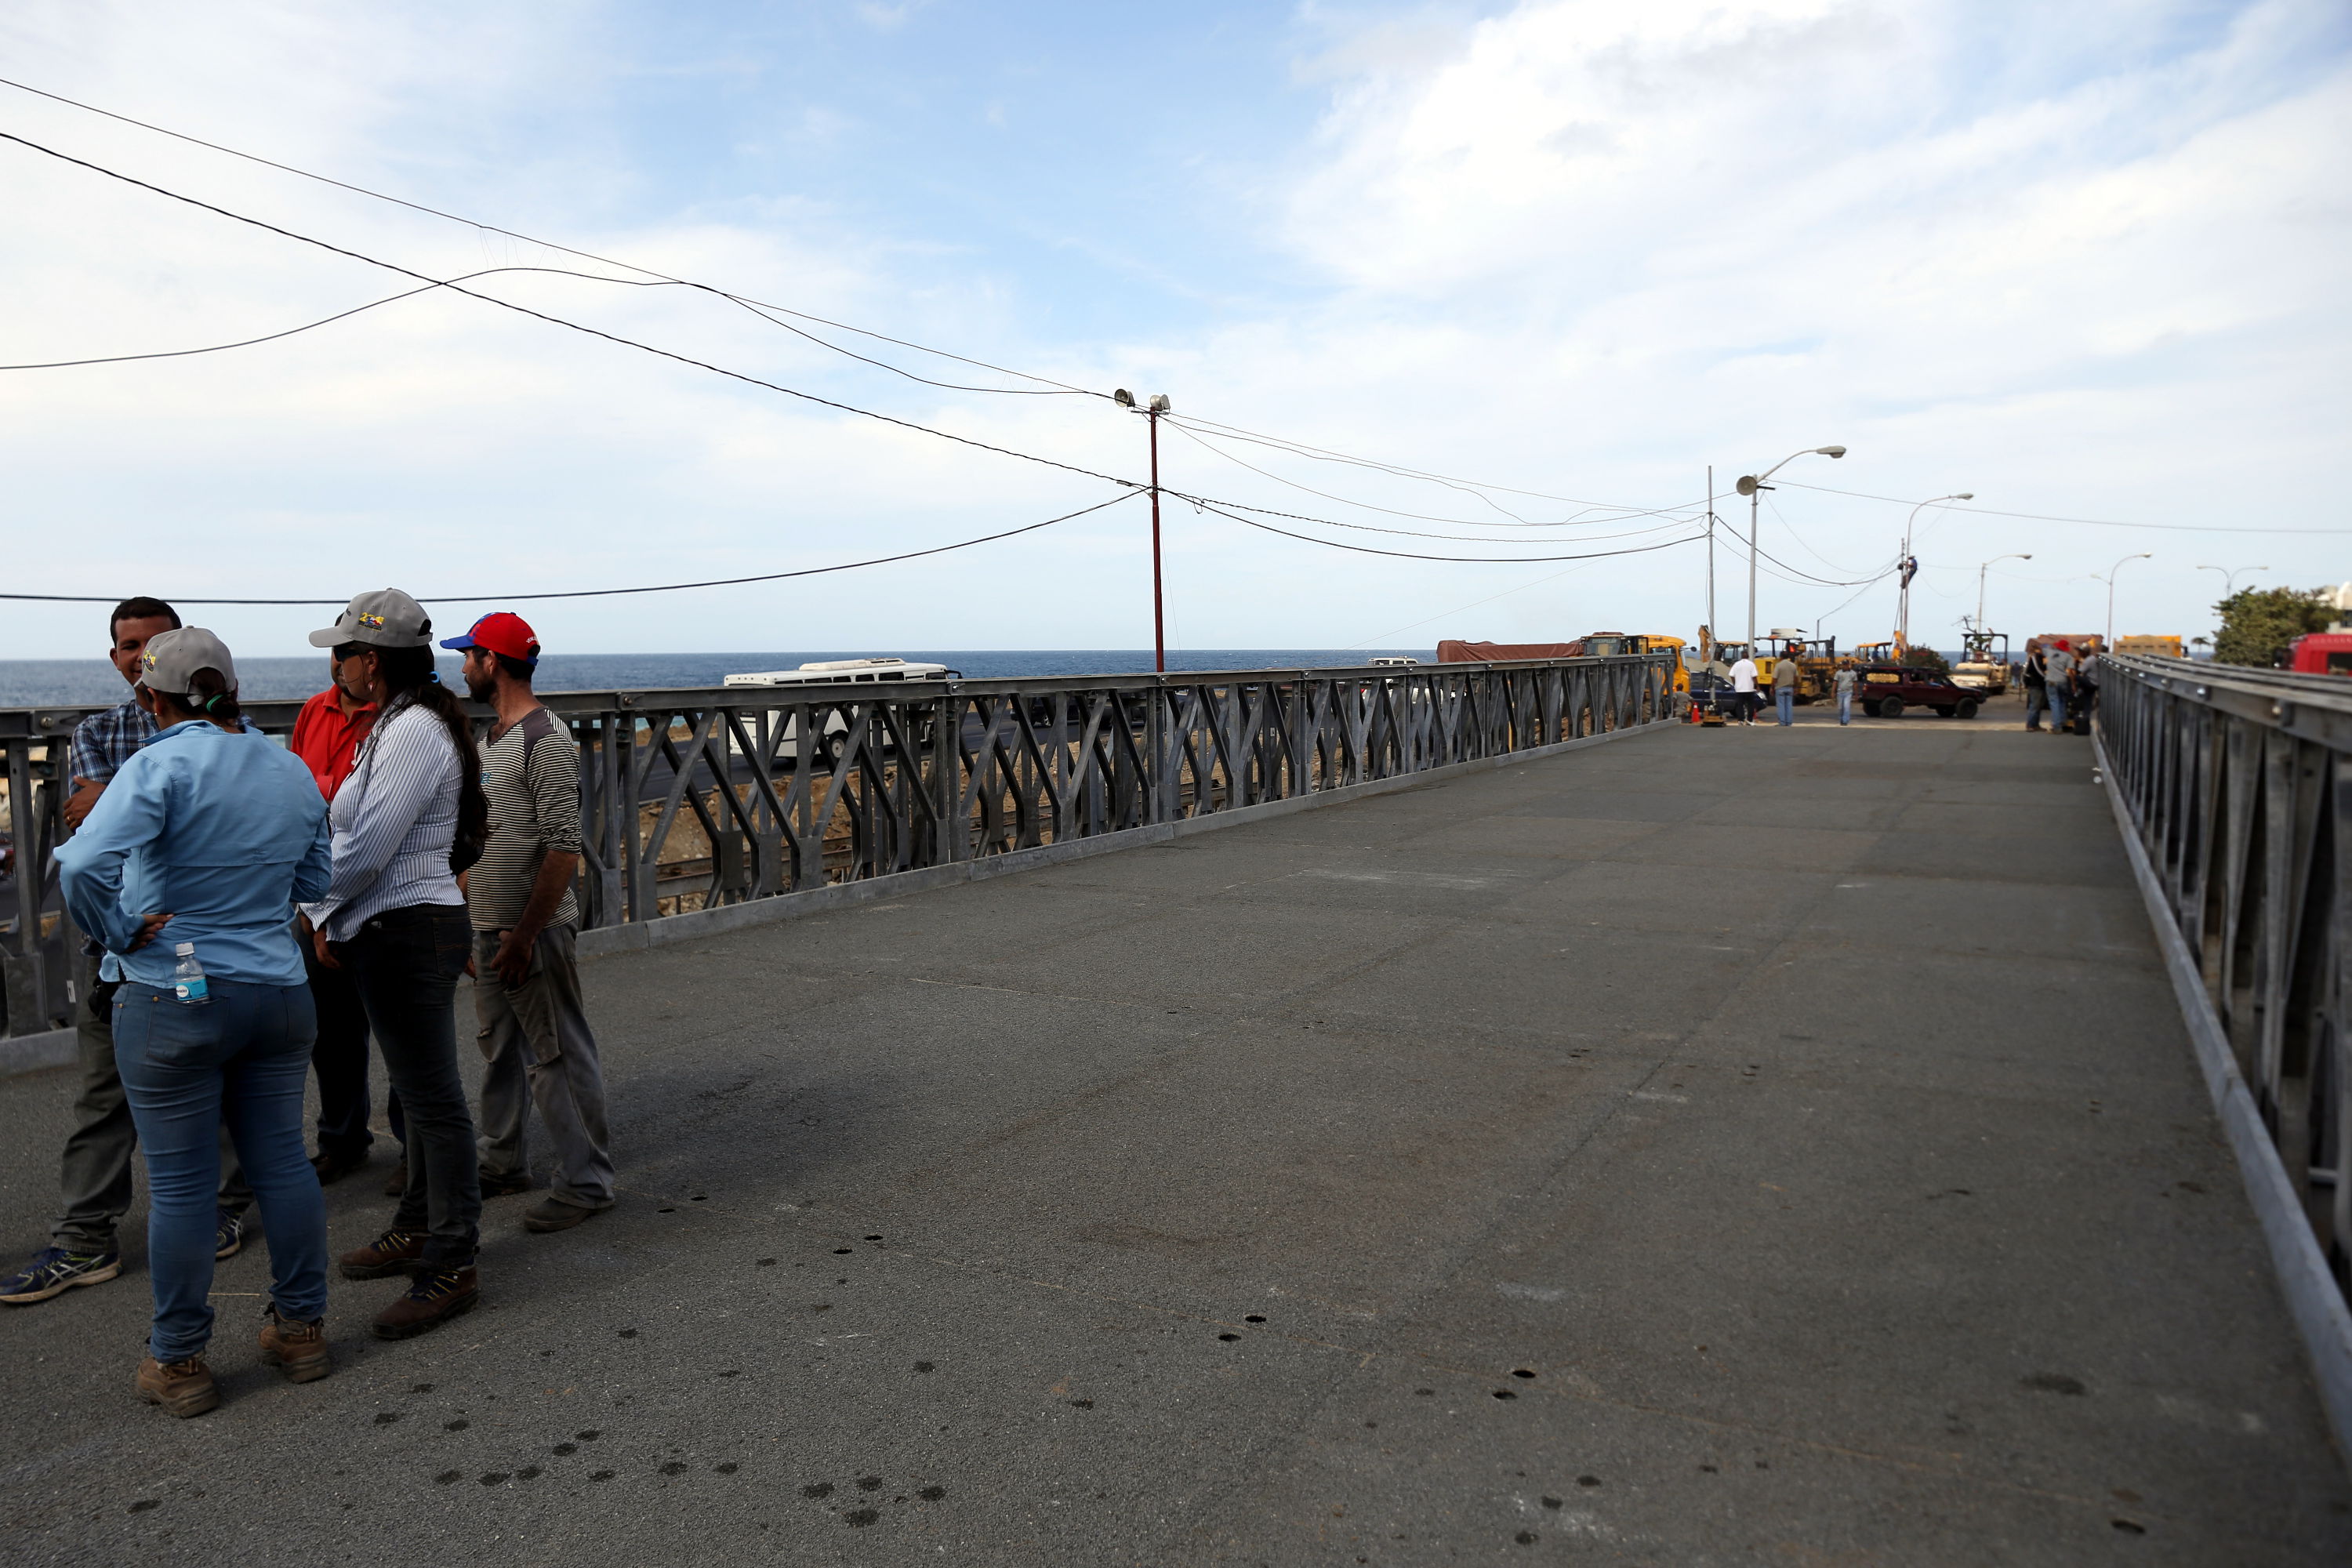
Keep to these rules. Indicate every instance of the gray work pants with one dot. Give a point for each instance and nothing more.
(541, 1052)
(94, 1177)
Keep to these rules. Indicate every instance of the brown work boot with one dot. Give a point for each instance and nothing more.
(437, 1296)
(394, 1252)
(397, 1182)
(554, 1214)
(182, 1387)
(296, 1348)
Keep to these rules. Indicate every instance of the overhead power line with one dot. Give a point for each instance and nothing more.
(453, 287)
(612, 593)
(325, 320)
(1197, 439)
(2090, 521)
(1466, 560)
(561, 321)
(744, 301)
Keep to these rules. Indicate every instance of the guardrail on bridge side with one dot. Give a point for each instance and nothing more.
(696, 798)
(2234, 786)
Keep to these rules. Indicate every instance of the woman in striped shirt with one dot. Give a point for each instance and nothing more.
(406, 821)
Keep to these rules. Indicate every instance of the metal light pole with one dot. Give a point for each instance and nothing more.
(1905, 568)
(1749, 485)
(2111, 591)
(2229, 576)
(1158, 406)
(1980, 581)
(1714, 632)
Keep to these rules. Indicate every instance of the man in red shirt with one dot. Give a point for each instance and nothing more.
(327, 736)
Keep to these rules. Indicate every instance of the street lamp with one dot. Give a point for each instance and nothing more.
(2111, 593)
(2229, 576)
(1749, 484)
(1152, 411)
(1981, 582)
(1907, 568)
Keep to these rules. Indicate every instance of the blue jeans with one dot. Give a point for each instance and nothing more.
(2057, 707)
(1845, 707)
(242, 1059)
(1786, 701)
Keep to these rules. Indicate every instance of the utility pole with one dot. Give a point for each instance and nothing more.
(1158, 406)
(1714, 632)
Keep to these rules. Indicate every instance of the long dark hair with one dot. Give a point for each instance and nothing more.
(208, 697)
(410, 679)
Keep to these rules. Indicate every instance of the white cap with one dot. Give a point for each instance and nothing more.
(184, 949)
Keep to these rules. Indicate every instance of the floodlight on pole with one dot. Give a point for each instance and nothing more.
(1750, 485)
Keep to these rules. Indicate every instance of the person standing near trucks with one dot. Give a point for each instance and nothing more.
(2037, 683)
(1784, 690)
(1847, 680)
(2058, 666)
(1743, 689)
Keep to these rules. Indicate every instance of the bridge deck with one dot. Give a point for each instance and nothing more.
(1806, 1111)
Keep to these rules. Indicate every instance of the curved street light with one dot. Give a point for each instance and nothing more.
(1907, 568)
(2229, 576)
(1750, 484)
(2118, 566)
(2015, 555)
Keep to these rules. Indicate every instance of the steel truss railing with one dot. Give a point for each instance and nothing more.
(2239, 783)
(692, 799)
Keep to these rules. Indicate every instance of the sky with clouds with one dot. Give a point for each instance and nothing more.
(2083, 260)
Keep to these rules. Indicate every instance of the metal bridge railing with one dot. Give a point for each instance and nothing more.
(693, 799)
(2239, 783)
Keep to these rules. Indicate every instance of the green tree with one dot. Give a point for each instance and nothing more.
(2257, 624)
(1920, 657)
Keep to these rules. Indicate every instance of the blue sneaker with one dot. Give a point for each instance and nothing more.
(228, 1234)
(55, 1272)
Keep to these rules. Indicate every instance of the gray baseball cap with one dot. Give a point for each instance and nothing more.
(170, 661)
(385, 618)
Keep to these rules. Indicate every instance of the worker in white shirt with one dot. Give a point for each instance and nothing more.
(1743, 688)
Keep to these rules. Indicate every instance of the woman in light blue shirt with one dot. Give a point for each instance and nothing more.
(199, 850)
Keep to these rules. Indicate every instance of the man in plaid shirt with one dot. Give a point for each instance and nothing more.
(96, 1176)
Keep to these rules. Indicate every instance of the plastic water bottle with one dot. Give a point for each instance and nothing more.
(188, 976)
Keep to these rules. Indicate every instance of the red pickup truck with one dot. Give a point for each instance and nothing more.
(1886, 689)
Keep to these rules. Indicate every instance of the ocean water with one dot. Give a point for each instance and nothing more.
(29, 682)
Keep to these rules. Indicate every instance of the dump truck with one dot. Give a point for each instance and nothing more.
(1615, 644)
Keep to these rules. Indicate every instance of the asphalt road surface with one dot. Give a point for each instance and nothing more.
(1713, 1147)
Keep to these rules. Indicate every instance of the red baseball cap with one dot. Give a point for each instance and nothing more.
(501, 632)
